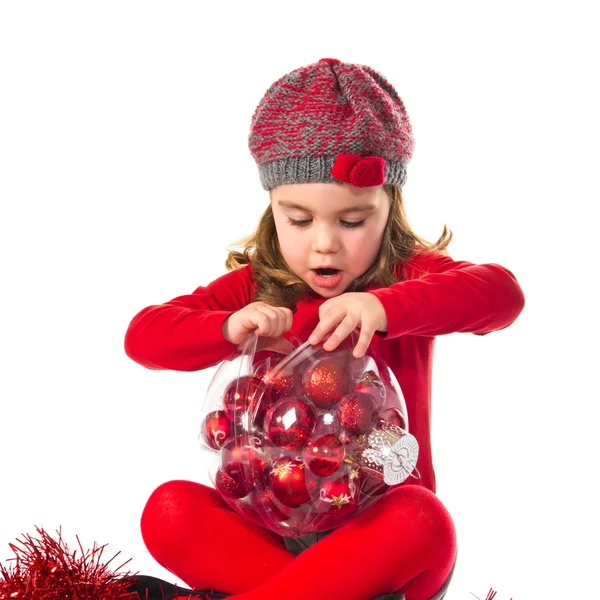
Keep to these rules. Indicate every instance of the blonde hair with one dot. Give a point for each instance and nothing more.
(277, 285)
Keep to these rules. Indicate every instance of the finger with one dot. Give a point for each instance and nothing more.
(267, 320)
(366, 334)
(326, 323)
(342, 331)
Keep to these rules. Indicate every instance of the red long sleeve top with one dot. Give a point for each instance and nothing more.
(438, 296)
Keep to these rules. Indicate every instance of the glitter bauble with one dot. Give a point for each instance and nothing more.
(216, 429)
(288, 423)
(270, 506)
(229, 487)
(327, 380)
(393, 416)
(356, 412)
(339, 496)
(324, 456)
(286, 480)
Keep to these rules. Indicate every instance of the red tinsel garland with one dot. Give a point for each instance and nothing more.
(45, 569)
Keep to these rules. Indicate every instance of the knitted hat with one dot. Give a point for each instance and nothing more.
(331, 121)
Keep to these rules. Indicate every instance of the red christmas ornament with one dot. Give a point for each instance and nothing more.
(289, 422)
(216, 429)
(270, 505)
(327, 380)
(279, 382)
(229, 487)
(245, 464)
(242, 394)
(371, 384)
(324, 456)
(356, 412)
(287, 482)
(393, 416)
(339, 496)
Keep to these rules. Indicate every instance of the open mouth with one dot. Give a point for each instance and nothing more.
(326, 272)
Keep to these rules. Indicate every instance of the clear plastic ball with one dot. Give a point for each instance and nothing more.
(298, 439)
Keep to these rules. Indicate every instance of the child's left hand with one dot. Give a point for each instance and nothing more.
(349, 311)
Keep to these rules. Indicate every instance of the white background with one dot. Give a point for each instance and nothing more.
(125, 173)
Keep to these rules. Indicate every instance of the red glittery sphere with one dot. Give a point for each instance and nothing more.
(327, 380)
(269, 504)
(356, 412)
(245, 464)
(229, 487)
(324, 456)
(289, 422)
(216, 429)
(287, 483)
(393, 416)
(339, 496)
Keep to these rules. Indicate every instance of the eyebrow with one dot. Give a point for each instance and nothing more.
(359, 207)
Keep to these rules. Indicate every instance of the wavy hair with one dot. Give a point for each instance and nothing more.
(277, 285)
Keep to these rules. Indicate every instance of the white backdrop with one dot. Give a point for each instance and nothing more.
(124, 174)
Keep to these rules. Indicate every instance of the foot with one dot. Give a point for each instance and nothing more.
(152, 588)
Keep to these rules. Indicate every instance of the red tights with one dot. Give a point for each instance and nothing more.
(406, 542)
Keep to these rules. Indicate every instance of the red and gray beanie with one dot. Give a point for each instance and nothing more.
(331, 121)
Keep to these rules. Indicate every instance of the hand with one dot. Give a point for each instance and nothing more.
(257, 318)
(349, 311)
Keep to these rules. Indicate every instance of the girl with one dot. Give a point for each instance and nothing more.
(332, 252)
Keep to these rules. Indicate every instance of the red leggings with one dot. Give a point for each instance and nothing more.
(406, 542)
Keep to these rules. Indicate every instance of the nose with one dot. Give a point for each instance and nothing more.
(325, 239)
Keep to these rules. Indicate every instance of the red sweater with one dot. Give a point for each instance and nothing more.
(439, 296)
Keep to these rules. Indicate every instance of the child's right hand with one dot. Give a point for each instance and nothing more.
(257, 318)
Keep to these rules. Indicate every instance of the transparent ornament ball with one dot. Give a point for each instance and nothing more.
(298, 439)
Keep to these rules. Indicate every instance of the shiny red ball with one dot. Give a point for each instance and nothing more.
(287, 482)
(356, 412)
(229, 487)
(216, 429)
(327, 380)
(243, 394)
(339, 496)
(324, 456)
(289, 422)
(245, 464)
(393, 416)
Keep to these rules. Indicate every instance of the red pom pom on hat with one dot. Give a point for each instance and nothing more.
(360, 172)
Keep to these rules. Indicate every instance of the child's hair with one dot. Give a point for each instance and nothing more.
(277, 285)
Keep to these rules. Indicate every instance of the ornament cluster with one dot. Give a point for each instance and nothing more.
(303, 442)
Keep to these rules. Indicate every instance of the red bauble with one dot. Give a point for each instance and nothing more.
(242, 394)
(216, 429)
(245, 464)
(327, 380)
(289, 422)
(270, 506)
(324, 456)
(356, 412)
(339, 496)
(371, 384)
(229, 487)
(393, 416)
(287, 483)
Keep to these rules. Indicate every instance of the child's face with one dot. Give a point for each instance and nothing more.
(324, 235)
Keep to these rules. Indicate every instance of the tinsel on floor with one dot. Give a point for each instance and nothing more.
(45, 569)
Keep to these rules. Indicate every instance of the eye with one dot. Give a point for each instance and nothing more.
(353, 223)
(305, 222)
(298, 223)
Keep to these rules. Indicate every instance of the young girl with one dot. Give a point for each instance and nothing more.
(332, 252)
